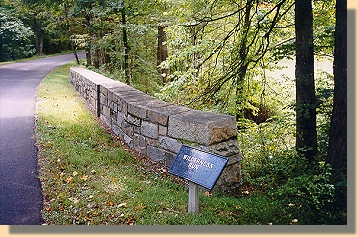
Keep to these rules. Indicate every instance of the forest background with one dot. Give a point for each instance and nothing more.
(224, 56)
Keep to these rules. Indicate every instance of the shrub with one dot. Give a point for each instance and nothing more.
(308, 197)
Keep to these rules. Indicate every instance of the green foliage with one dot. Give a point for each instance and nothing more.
(323, 24)
(301, 193)
(309, 196)
(15, 37)
(267, 152)
(324, 97)
(213, 62)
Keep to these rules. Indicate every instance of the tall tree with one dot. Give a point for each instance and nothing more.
(125, 42)
(306, 134)
(162, 52)
(85, 9)
(337, 147)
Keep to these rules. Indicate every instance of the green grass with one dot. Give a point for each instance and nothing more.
(88, 177)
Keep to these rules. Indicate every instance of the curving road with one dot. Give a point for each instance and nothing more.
(20, 188)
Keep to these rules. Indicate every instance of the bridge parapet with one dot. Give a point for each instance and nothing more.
(157, 129)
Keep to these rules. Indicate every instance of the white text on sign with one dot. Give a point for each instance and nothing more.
(195, 163)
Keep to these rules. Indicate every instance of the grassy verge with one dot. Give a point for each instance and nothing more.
(90, 178)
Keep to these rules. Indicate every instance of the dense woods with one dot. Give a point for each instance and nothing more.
(223, 56)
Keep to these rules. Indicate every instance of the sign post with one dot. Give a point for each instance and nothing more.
(193, 200)
(199, 168)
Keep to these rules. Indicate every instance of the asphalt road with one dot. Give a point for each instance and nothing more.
(20, 188)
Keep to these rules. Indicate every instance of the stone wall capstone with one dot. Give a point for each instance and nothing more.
(157, 129)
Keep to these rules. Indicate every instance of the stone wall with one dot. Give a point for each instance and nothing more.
(157, 129)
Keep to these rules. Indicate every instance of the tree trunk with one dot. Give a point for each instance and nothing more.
(39, 37)
(337, 146)
(306, 134)
(107, 58)
(88, 56)
(95, 54)
(162, 52)
(242, 69)
(125, 44)
(74, 50)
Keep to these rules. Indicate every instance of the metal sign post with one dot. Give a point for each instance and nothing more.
(193, 201)
(199, 168)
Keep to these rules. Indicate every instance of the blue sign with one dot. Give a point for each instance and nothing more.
(199, 167)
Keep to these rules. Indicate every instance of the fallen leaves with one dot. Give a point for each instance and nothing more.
(75, 200)
(124, 204)
(168, 209)
(130, 221)
(69, 179)
(208, 194)
(84, 177)
(139, 207)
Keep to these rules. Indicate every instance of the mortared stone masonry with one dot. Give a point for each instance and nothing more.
(157, 129)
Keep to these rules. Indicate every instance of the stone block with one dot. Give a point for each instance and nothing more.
(92, 102)
(201, 127)
(230, 179)
(105, 111)
(137, 111)
(106, 120)
(149, 129)
(154, 153)
(169, 144)
(161, 114)
(140, 143)
(229, 148)
(136, 129)
(140, 140)
(125, 98)
(133, 120)
(168, 158)
(104, 91)
(152, 141)
(120, 119)
(139, 108)
(119, 86)
(116, 129)
(163, 130)
(128, 140)
(103, 99)
(128, 129)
